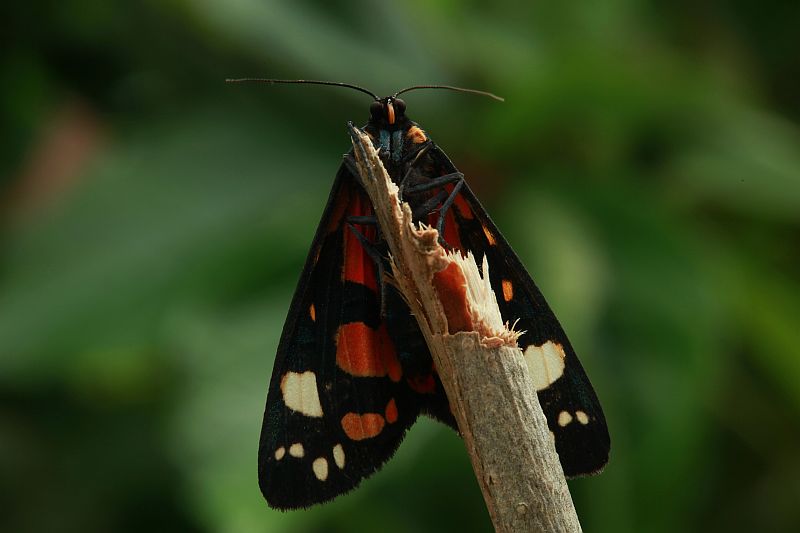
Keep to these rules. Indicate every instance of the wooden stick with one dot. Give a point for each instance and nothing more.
(481, 367)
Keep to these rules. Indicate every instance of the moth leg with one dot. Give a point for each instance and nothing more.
(429, 205)
(373, 253)
(446, 207)
(362, 220)
(453, 177)
(413, 156)
(419, 153)
(368, 220)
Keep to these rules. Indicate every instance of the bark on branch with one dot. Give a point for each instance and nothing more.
(481, 367)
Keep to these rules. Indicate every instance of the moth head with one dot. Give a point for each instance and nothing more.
(389, 110)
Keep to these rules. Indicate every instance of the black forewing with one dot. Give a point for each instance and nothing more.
(583, 444)
(288, 478)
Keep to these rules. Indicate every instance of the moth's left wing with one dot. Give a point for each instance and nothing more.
(338, 406)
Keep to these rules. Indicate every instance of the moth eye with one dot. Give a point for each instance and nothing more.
(376, 109)
(399, 106)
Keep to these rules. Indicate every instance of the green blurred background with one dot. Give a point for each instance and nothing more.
(645, 165)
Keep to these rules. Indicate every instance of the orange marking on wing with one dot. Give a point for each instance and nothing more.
(312, 311)
(358, 265)
(451, 287)
(422, 384)
(508, 290)
(391, 411)
(365, 352)
(489, 236)
(416, 135)
(360, 427)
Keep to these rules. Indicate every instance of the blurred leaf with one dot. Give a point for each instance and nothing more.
(156, 222)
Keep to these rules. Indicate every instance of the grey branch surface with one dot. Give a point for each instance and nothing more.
(483, 371)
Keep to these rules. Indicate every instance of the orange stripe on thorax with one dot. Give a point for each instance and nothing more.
(390, 112)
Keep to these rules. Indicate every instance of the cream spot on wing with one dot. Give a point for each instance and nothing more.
(320, 468)
(545, 363)
(582, 417)
(564, 418)
(300, 393)
(338, 455)
(296, 450)
(279, 453)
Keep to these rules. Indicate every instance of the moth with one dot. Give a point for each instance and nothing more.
(352, 371)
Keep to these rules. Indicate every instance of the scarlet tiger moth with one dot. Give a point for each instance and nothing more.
(352, 371)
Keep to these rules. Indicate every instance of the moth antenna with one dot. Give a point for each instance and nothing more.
(451, 88)
(309, 82)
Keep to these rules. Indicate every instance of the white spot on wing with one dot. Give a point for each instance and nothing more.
(338, 455)
(564, 418)
(545, 363)
(300, 393)
(582, 417)
(296, 450)
(279, 453)
(320, 467)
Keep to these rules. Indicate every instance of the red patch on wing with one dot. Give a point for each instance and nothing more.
(390, 360)
(391, 411)
(451, 286)
(424, 384)
(450, 230)
(358, 265)
(365, 352)
(461, 204)
(339, 207)
(360, 427)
